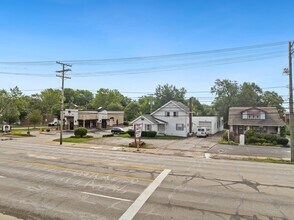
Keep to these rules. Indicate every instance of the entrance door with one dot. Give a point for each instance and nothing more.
(104, 123)
(161, 129)
(71, 125)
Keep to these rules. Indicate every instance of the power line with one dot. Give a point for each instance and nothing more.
(154, 57)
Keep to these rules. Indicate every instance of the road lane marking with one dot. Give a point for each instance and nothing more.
(140, 201)
(108, 197)
(52, 166)
(2, 177)
(135, 166)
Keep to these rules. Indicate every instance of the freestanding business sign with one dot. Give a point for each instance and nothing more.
(138, 133)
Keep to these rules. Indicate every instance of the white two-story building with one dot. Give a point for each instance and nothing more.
(170, 119)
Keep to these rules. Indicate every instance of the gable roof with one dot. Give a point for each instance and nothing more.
(272, 117)
(150, 118)
(178, 104)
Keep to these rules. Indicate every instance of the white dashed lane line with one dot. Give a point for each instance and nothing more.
(108, 197)
(2, 176)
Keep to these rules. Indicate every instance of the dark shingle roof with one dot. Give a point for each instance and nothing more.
(272, 117)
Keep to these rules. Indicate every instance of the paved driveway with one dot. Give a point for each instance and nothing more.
(188, 144)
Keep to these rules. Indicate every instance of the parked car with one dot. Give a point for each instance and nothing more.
(117, 130)
(201, 132)
(53, 123)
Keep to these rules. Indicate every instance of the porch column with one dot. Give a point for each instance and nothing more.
(231, 128)
(84, 123)
(279, 130)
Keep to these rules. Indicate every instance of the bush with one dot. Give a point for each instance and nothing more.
(284, 131)
(107, 135)
(269, 137)
(80, 132)
(282, 141)
(250, 133)
(255, 140)
(126, 123)
(149, 133)
(144, 133)
(131, 132)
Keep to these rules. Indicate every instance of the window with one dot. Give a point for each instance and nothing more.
(147, 127)
(167, 114)
(179, 127)
(176, 114)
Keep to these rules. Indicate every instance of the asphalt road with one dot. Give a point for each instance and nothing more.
(54, 182)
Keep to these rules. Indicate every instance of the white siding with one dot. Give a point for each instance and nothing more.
(144, 123)
(182, 118)
(211, 123)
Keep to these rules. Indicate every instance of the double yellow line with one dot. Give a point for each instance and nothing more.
(52, 166)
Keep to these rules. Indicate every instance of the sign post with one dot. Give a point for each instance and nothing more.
(138, 132)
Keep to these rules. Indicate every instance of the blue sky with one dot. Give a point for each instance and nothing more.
(38, 30)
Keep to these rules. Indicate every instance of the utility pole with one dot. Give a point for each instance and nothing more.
(62, 76)
(291, 115)
(190, 115)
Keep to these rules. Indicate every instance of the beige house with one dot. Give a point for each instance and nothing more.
(92, 119)
(264, 120)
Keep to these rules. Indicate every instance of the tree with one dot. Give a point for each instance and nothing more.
(166, 93)
(145, 103)
(132, 111)
(226, 92)
(249, 95)
(106, 97)
(35, 117)
(51, 101)
(197, 107)
(271, 98)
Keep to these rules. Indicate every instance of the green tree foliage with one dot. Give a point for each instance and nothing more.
(35, 117)
(13, 106)
(146, 104)
(226, 92)
(106, 97)
(271, 98)
(78, 99)
(51, 101)
(249, 95)
(165, 93)
(132, 111)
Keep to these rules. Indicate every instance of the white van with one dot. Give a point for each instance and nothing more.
(201, 132)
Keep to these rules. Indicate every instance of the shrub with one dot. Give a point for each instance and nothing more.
(282, 141)
(80, 132)
(255, 140)
(144, 133)
(283, 132)
(149, 133)
(269, 137)
(126, 123)
(107, 135)
(131, 132)
(250, 133)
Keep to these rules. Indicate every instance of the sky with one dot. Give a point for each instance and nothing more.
(104, 31)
